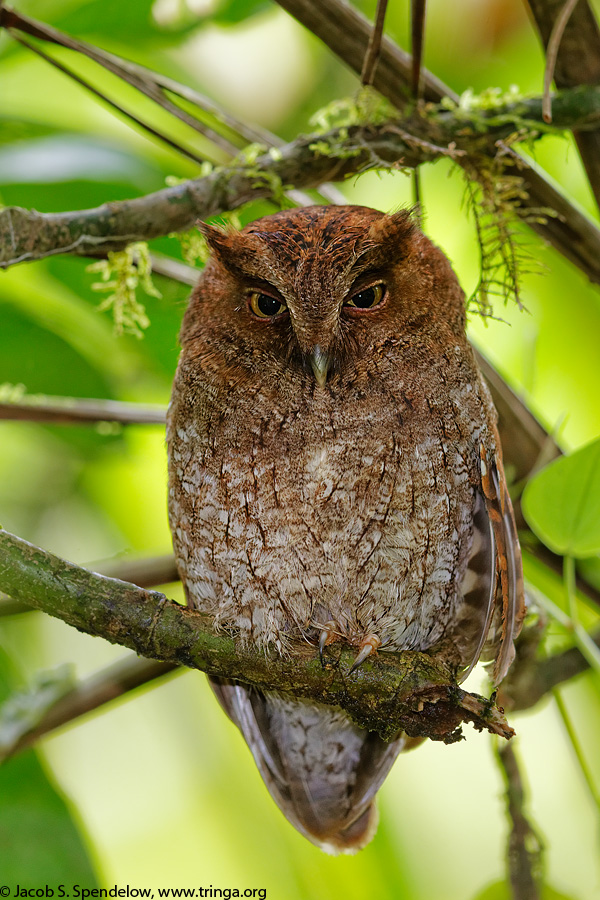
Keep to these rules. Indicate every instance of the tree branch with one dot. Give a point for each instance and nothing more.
(346, 32)
(77, 410)
(306, 162)
(411, 691)
(145, 572)
(374, 46)
(530, 678)
(524, 850)
(153, 85)
(115, 681)
(577, 62)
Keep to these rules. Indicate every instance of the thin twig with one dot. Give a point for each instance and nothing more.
(30, 235)
(524, 850)
(76, 410)
(146, 572)
(152, 84)
(417, 28)
(118, 680)
(558, 30)
(577, 63)
(374, 47)
(346, 32)
(417, 31)
(160, 135)
(156, 87)
(174, 268)
(417, 195)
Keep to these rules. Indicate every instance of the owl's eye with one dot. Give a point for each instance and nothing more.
(367, 298)
(265, 306)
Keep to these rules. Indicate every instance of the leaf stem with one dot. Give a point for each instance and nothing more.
(576, 744)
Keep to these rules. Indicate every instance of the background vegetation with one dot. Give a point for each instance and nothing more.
(159, 789)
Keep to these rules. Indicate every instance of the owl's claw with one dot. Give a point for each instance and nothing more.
(369, 645)
(322, 645)
(328, 635)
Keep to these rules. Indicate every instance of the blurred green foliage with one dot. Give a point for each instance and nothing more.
(39, 838)
(165, 790)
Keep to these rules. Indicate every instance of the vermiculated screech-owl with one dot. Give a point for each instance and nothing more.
(335, 475)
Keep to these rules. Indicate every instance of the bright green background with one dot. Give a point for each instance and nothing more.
(162, 788)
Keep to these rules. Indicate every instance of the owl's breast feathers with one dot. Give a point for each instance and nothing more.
(335, 508)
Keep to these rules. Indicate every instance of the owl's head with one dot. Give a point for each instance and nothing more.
(319, 290)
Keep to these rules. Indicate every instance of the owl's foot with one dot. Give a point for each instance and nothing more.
(369, 645)
(329, 634)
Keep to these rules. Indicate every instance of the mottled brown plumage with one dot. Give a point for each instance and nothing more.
(335, 475)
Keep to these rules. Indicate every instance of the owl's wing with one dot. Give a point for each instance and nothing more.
(321, 769)
(508, 559)
(492, 610)
(471, 626)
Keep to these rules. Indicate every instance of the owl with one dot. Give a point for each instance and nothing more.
(335, 475)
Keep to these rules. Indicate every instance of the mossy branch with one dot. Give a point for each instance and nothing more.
(410, 691)
(346, 32)
(306, 162)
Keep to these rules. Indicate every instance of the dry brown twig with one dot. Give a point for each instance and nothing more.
(558, 29)
(524, 847)
(374, 45)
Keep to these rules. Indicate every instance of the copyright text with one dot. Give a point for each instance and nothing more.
(82, 893)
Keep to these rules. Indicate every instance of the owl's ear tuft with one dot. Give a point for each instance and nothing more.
(395, 228)
(234, 249)
(218, 239)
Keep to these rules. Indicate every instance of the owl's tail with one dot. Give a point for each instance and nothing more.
(322, 770)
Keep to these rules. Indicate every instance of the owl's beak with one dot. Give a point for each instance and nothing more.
(319, 361)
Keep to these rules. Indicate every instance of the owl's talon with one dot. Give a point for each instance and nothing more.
(328, 635)
(370, 645)
(322, 644)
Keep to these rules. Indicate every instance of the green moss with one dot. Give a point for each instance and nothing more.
(366, 107)
(499, 202)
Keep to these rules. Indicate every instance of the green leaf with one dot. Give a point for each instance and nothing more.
(40, 844)
(562, 503)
